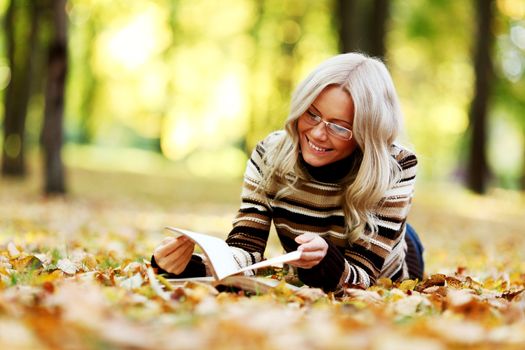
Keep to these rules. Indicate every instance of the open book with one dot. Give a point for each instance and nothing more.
(226, 270)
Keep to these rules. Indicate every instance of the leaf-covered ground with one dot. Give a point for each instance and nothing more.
(74, 275)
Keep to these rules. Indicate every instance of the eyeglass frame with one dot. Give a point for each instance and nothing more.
(313, 119)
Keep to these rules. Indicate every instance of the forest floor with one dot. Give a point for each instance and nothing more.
(73, 274)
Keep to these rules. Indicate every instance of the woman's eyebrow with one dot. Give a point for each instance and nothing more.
(317, 110)
(321, 115)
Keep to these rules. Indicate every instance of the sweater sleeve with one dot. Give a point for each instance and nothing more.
(382, 254)
(327, 274)
(251, 225)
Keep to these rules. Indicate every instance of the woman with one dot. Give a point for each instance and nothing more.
(335, 184)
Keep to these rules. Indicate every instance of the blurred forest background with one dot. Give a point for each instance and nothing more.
(186, 88)
(144, 113)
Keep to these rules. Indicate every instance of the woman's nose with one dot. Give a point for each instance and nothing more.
(319, 131)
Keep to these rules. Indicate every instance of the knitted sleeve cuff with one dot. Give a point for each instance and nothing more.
(195, 268)
(327, 274)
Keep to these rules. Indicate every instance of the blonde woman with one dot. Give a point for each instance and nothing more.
(335, 184)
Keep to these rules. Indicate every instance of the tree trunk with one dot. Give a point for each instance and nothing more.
(377, 28)
(362, 26)
(346, 27)
(477, 170)
(52, 132)
(21, 59)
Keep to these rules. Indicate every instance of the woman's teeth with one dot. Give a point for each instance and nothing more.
(318, 149)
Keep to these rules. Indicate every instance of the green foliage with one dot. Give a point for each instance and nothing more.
(200, 81)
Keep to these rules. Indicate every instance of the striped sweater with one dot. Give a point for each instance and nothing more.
(316, 207)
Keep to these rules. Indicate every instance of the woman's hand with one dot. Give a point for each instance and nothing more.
(313, 249)
(174, 254)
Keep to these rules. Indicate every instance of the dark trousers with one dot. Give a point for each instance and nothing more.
(414, 257)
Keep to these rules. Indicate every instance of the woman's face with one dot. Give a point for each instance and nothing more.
(318, 146)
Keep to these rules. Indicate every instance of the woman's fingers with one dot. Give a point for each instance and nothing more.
(305, 238)
(184, 258)
(315, 244)
(311, 246)
(176, 252)
(174, 255)
(313, 249)
(168, 245)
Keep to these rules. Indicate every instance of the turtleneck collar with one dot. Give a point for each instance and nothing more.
(333, 172)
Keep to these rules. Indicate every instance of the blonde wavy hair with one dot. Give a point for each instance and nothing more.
(376, 124)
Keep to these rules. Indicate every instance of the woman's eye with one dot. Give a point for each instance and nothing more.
(312, 115)
(339, 128)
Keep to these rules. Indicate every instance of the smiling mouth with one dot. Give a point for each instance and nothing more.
(317, 148)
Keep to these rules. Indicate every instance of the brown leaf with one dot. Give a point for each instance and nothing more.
(439, 290)
(516, 295)
(433, 280)
(467, 303)
(453, 282)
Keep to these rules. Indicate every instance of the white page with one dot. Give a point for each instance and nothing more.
(216, 250)
(295, 255)
(220, 256)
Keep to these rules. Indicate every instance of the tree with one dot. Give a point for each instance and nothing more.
(86, 128)
(52, 131)
(276, 59)
(477, 168)
(21, 27)
(362, 25)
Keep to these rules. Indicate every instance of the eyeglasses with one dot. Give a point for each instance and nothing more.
(333, 129)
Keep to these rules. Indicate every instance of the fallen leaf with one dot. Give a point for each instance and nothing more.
(433, 280)
(12, 250)
(407, 285)
(132, 282)
(67, 266)
(310, 294)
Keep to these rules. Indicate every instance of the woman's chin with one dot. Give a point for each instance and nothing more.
(315, 160)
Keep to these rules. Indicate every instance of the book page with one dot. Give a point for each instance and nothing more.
(219, 254)
(281, 259)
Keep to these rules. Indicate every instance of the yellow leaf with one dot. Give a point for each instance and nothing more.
(407, 285)
(491, 283)
(26, 261)
(90, 261)
(384, 282)
(53, 276)
(167, 285)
